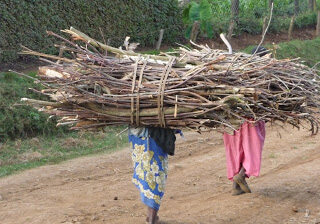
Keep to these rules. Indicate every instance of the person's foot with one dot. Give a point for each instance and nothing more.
(242, 183)
(236, 189)
(156, 221)
(152, 217)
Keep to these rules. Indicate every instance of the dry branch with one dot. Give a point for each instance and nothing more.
(200, 88)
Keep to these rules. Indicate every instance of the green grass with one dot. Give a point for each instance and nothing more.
(29, 153)
(306, 50)
(18, 120)
(272, 156)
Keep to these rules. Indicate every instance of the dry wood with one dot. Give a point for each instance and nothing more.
(318, 25)
(210, 89)
(291, 28)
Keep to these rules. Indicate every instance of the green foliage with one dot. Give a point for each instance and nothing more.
(206, 17)
(306, 50)
(251, 15)
(200, 12)
(306, 19)
(21, 121)
(26, 21)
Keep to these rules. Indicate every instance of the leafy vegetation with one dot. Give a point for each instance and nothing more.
(251, 16)
(29, 139)
(201, 12)
(26, 21)
(18, 121)
(306, 50)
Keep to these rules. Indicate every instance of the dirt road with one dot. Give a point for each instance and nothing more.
(99, 190)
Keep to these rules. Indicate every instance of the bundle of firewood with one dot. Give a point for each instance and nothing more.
(93, 85)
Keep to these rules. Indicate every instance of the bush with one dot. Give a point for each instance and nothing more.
(252, 13)
(306, 50)
(306, 19)
(249, 24)
(21, 121)
(26, 21)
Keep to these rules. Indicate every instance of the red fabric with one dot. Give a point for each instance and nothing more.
(244, 148)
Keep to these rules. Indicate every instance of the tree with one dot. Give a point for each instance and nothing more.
(198, 18)
(235, 4)
(270, 3)
(296, 7)
(312, 4)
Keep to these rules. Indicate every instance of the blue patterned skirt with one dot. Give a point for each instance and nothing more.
(150, 169)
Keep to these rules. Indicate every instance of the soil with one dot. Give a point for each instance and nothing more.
(98, 189)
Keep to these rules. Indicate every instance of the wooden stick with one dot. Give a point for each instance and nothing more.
(291, 28)
(79, 35)
(318, 25)
(160, 39)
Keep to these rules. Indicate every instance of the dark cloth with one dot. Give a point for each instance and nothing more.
(260, 51)
(165, 138)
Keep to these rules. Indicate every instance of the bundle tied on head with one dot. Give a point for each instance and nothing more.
(197, 88)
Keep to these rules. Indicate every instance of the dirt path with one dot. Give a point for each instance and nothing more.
(99, 190)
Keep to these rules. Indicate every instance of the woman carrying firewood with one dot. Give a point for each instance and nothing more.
(150, 149)
(244, 148)
(243, 154)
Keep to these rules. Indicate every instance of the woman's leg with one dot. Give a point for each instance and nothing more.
(152, 217)
(234, 157)
(252, 140)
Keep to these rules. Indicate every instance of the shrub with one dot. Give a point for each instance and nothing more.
(251, 15)
(200, 12)
(306, 50)
(21, 121)
(306, 19)
(26, 21)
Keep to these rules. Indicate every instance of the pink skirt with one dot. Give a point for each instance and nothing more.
(244, 148)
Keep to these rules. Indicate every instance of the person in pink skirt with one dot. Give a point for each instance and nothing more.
(244, 147)
(243, 154)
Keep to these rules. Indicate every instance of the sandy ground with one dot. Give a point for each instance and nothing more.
(98, 189)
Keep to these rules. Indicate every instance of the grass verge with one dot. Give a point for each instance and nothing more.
(29, 153)
(306, 50)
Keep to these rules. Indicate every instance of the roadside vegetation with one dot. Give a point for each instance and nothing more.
(29, 138)
(28, 153)
(306, 50)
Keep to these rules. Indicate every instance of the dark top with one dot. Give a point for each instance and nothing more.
(165, 138)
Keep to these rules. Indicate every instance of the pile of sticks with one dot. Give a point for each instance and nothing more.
(94, 85)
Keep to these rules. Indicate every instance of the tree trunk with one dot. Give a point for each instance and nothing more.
(311, 5)
(195, 31)
(235, 10)
(264, 25)
(270, 4)
(318, 25)
(158, 45)
(291, 28)
(235, 4)
(296, 7)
